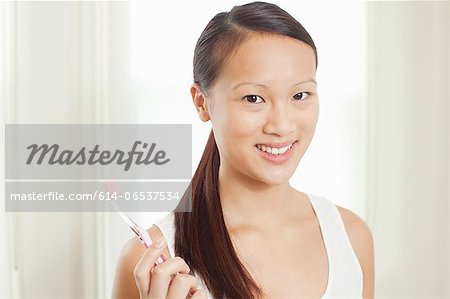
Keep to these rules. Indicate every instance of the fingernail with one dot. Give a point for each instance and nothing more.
(160, 242)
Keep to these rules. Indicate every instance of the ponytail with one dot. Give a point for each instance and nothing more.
(201, 236)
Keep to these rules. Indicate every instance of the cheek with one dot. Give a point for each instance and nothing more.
(307, 121)
(234, 123)
(314, 115)
(246, 123)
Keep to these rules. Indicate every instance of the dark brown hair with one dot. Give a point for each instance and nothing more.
(201, 236)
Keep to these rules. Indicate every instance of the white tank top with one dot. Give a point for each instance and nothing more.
(345, 278)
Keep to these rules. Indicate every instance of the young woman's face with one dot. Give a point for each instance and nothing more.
(265, 96)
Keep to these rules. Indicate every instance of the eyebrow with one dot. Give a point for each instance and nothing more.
(251, 83)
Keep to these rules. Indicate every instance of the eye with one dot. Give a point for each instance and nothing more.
(252, 98)
(301, 98)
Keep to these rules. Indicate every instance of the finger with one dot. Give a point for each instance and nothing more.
(145, 264)
(199, 294)
(162, 275)
(164, 257)
(182, 285)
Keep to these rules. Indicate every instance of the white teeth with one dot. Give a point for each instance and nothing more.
(282, 150)
(274, 150)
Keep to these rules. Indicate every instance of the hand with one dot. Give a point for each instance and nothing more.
(170, 279)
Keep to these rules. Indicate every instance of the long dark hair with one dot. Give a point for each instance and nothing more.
(201, 236)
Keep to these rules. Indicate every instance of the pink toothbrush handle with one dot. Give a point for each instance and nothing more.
(145, 239)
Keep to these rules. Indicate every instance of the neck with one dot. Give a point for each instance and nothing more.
(249, 202)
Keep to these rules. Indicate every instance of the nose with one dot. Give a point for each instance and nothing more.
(279, 120)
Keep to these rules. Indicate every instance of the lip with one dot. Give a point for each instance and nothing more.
(278, 144)
(278, 159)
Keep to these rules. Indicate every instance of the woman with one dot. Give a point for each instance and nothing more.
(250, 233)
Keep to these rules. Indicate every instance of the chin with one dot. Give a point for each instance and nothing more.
(274, 179)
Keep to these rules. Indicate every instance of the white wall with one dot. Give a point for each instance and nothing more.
(48, 77)
(409, 153)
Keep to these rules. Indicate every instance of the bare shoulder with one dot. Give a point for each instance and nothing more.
(356, 227)
(361, 239)
(124, 285)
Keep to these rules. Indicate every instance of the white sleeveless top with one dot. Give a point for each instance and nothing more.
(345, 278)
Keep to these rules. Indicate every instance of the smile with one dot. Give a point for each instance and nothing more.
(274, 150)
(276, 155)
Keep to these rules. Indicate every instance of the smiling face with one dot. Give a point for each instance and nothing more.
(264, 100)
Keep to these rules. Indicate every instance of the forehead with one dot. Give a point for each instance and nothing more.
(269, 58)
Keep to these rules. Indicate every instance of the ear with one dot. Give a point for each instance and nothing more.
(200, 103)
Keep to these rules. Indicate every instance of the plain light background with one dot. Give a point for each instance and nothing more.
(380, 147)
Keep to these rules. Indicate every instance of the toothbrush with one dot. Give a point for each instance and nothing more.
(141, 233)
